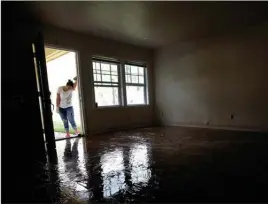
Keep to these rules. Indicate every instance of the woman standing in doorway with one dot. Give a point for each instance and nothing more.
(65, 107)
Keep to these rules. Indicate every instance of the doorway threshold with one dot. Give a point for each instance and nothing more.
(61, 136)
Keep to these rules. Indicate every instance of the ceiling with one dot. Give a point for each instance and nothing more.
(52, 54)
(150, 24)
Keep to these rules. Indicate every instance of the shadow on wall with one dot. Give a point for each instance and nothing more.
(59, 71)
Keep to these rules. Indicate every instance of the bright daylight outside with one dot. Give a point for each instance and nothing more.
(61, 66)
(107, 85)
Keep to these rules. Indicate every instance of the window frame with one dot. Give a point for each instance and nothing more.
(121, 84)
(109, 84)
(144, 85)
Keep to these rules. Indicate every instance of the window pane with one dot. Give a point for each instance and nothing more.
(135, 95)
(106, 77)
(95, 71)
(97, 65)
(134, 70)
(97, 77)
(106, 72)
(127, 69)
(135, 75)
(128, 79)
(141, 79)
(105, 67)
(135, 79)
(141, 71)
(114, 78)
(106, 96)
(114, 69)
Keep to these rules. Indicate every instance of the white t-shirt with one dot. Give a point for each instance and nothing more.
(65, 97)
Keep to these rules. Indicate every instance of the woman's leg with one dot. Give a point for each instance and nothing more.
(64, 118)
(70, 116)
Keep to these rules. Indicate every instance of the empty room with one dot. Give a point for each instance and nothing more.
(134, 102)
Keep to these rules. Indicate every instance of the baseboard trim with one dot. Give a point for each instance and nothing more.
(240, 129)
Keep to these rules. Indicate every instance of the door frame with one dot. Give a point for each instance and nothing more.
(80, 88)
(39, 61)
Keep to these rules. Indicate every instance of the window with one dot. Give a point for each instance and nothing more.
(117, 84)
(106, 83)
(136, 90)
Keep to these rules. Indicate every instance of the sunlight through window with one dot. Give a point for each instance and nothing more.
(113, 172)
(140, 172)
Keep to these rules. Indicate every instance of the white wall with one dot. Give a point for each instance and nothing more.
(99, 120)
(203, 83)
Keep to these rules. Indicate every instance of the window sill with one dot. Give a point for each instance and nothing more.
(118, 107)
(107, 107)
(137, 105)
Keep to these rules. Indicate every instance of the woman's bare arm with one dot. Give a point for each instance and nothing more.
(75, 83)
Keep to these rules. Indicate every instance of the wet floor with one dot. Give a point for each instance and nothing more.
(160, 165)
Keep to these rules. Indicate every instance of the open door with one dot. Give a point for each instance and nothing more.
(62, 64)
(44, 93)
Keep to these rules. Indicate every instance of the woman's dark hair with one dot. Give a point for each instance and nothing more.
(70, 83)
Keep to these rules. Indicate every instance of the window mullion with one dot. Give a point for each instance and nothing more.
(119, 73)
(145, 85)
(109, 86)
(106, 82)
(111, 82)
(100, 71)
(134, 84)
(123, 84)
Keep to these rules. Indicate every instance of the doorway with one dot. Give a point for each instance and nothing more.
(61, 66)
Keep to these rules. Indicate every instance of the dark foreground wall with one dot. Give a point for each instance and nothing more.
(22, 140)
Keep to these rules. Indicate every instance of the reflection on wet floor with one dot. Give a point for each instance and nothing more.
(113, 172)
(71, 167)
(162, 165)
(109, 164)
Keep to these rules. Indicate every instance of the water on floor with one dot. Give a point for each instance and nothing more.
(161, 165)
